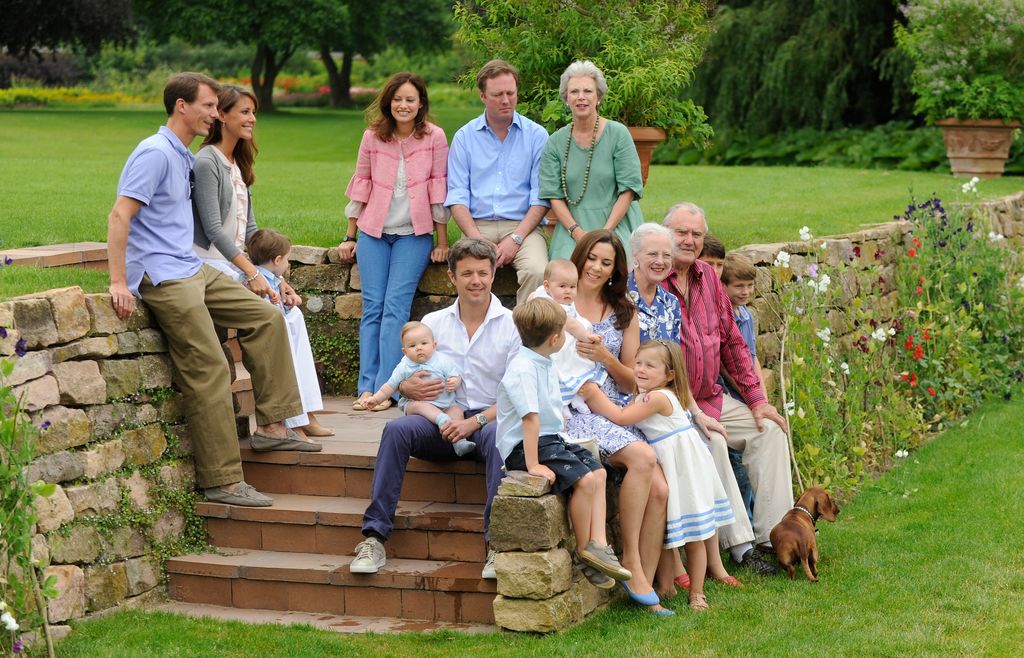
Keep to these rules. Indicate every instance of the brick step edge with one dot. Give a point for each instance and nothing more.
(423, 481)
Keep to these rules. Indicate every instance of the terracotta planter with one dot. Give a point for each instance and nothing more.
(646, 140)
(977, 147)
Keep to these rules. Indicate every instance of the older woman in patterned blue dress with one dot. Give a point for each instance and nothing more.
(602, 298)
(658, 310)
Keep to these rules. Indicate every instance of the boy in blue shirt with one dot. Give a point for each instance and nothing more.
(528, 436)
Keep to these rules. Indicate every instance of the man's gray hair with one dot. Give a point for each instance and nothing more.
(581, 68)
(471, 248)
(644, 231)
(689, 207)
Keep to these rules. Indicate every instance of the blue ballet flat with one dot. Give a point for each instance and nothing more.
(651, 598)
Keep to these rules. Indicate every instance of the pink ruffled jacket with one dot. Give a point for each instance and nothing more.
(426, 172)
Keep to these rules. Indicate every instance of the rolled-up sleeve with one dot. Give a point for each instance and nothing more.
(437, 185)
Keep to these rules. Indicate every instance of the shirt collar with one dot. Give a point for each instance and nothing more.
(493, 310)
(180, 148)
(480, 123)
(271, 278)
(539, 359)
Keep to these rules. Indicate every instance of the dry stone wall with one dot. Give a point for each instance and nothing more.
(113, 439)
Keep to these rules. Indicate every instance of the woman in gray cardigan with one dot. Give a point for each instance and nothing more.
(224, 223)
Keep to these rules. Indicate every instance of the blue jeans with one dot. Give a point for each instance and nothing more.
(390, 268)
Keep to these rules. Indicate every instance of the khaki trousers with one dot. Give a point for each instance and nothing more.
(530, 260)
(766, 456)
(187, 310)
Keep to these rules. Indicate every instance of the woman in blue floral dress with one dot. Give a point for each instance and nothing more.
(602, 298)
(660, 317)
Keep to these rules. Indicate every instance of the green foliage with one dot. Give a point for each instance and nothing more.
(846, 411)
(29, 25)
(18, 579)
(646, 50)
(335, 345)
(967, 57)
(963, 291)
(860, 387)
(783, 65)
(61, 97)
(892, 146)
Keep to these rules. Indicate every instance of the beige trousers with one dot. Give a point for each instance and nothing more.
(187, 310)
(766, 456)
(531, 258)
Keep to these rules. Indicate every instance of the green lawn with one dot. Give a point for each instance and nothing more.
(59, 170)
(925, 561)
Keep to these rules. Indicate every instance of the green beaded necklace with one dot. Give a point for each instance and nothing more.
(586, 171)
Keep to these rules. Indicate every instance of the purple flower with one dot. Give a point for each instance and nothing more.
(812, 270)
(8, 260)
(45, 426)
(17, 646)
(3, 332)
(21, 347)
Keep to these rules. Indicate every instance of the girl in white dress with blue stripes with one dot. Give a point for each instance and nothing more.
(697, 501)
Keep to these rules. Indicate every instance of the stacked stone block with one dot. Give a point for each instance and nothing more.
(83, 379)
(539, 589)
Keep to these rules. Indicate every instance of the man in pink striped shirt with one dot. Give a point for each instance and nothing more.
(711, 342)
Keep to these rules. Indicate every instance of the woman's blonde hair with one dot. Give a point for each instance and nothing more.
(672, 358)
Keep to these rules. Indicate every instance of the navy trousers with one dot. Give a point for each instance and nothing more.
(415, 436)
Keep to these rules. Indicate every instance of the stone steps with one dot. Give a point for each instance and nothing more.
(311, 582)
(294, 555)
(332, 526)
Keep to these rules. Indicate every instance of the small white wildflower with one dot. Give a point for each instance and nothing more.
(892, 331)
(995, 237)
(788, 407)
(782, 259)
(824, 245)
(801, 413)
(805, 233)
(971, 186)
(880, 335)
(845, 367)
(901, 453)
(825, 335)
(800, 311)
(823, 282)
(9, 622)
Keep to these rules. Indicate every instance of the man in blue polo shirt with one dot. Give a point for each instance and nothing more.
(149, 249)
(494, 178)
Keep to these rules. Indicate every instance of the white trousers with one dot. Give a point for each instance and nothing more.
(766, 457)
(305, 368)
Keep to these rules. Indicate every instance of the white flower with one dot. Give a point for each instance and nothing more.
(805, 233)
(971, 186)
(788, 407)
(782, 259)
(880, 335)
(892, 331)
(9, 622)
(845, 367)
(824, 245)
(902, 453)
(825, 335)
(995, 237)
(820, 284)
(1020, 284)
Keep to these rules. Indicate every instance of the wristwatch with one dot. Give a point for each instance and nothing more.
(515, 238)
(480, 418)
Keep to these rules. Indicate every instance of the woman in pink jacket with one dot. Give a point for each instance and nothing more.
(396, 205)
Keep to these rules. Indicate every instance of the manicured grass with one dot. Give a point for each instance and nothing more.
(925, 561)
(60, 168)
(23, 279)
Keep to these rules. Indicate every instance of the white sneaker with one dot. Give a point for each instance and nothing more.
(370, 556)
(488, 572)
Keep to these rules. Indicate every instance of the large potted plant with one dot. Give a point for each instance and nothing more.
(647, 51)
(968, 76)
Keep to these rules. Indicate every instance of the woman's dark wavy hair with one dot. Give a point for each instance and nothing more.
(245, 150)
(615, 292)
(379, 116)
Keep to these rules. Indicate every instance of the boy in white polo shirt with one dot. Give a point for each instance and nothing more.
(529, 422)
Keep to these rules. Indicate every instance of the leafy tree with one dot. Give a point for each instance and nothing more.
(647, 50)
(367, 28)
(777, 65)
(29, 25)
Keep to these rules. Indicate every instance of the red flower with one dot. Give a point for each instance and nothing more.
(920, 290)
(921, 280)
(918, 353)
(917, 243)
(911, 252)
(931, 391)
(910, 342)
(927, 336)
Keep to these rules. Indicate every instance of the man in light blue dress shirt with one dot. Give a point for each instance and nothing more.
(494, 178)
(150, 255)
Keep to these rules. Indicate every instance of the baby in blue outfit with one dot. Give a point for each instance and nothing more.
(419, 347)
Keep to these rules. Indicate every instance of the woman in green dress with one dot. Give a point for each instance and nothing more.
(590, 170)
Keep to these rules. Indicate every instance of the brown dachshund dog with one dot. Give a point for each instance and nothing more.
(793, 537)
